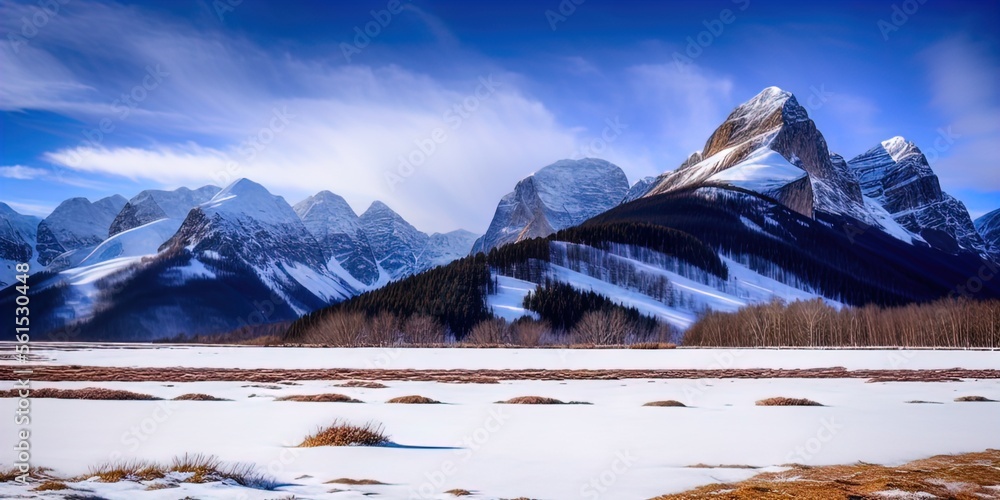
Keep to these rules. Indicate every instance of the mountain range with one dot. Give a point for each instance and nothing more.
(784, 215)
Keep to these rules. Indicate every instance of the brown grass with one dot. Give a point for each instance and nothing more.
(320, 398)
(459, 492)
(198, 397)
(920, 402)
(787, 402)
(958, 477)
(413, 400)
(202, 469)
(12, 473)
(653, 345)
(668, 403)
(126, 470)
(345, 434)
(531, 400)
(974, 399)
(366, 384)
(51, 486)
(97, 393)
(354, 482)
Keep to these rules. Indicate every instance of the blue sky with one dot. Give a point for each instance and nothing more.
(102, 97)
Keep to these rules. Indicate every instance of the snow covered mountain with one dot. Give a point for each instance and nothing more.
(989, 228)
(556, 197)
(76, 224)
(443, 248)
(396, 244)
(338, 230)
(153, 204)
(282, 252)
(17, 242)
(640, 188)
(896, 175)
(770, 146)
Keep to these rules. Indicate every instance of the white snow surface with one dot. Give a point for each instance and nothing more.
(208, 356)
(507, 451)
(136, 242)
(763, 171)
(506, 303)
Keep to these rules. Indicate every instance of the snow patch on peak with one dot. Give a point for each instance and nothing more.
(899, 148)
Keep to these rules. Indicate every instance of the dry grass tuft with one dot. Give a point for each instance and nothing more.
(653, 345)
(94, 393)
(960, 477)
(354, 482)
(37, 473)
(531, 400)
(974, 399)
(787, 402)
(51, 486)
(413, 400)
(198, 397)
(921, 402)
(344, 434)
(126, 470)
(320, 398)
(459, 492)
(365, 384)
(667, 403)
(200, 469)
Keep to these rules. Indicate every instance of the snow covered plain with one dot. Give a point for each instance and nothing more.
(613, 448)
(207, 356)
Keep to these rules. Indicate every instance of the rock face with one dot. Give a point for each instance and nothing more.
(152, 205)
(896, 175)
(247, 226)
(772, 122)
(396, 244)
(18, 234)
(989, 228)
(76, 223)
(338, 230)
(556, 197)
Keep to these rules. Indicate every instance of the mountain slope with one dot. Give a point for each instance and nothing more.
(558, 196)
(896, 175)
(18, 235)
(153, 204)
(395, 243)
(76, 223)
(339, 232)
